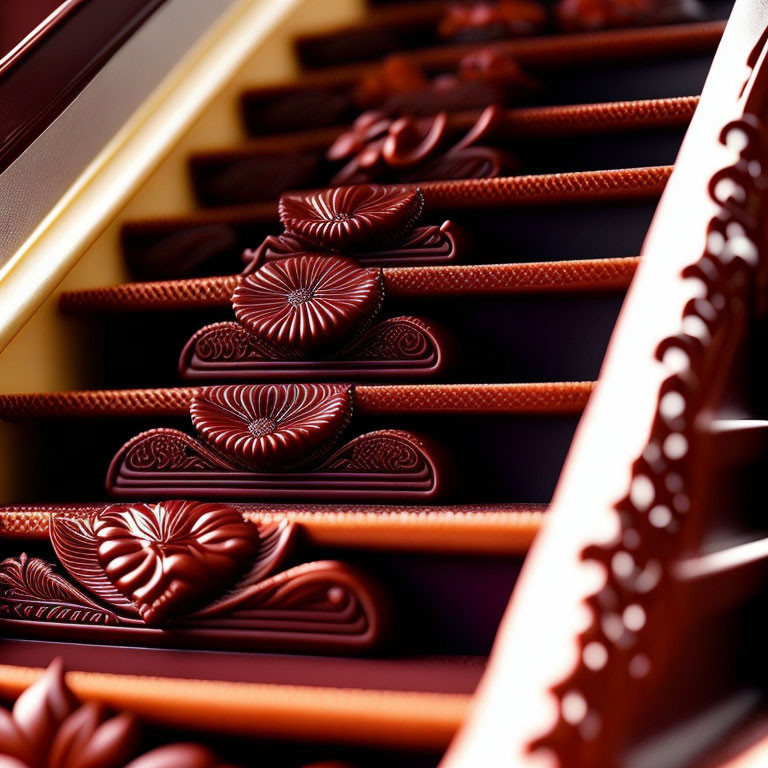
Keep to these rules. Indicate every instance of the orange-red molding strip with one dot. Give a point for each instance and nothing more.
(542, 52)
(558, 397)
(520, 122)
(509, 279)
(468, 528)
(501, 192)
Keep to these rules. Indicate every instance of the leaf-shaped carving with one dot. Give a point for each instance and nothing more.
(387, 450)
(347, 218)
(396, 339)
(271, 424)
(276, 543)
(320, 603)
(75, 544)
(29, 589)
(308, 301)
(170, 556)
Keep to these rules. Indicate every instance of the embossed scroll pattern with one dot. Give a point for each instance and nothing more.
(623, 646)
(187, 567)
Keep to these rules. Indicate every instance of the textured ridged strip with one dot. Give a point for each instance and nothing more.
(202, 292)
(526, 121)
(546, 52)
(216, 292)
(585, 275)
(97, 402)
(509, 190)
(558, 397)
(345, 715)
(613, 115)
(561, 397)
(582, 186)
(469, 528)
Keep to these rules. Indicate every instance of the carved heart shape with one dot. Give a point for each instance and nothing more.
(271, 424)
(347, 218)
(168, 557)
(308, 301)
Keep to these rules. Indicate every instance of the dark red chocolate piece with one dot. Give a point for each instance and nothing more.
(308, 301)
(350, 218)
(273, 424)
(488, 20)
(417, 149)
(49, 727)
(168, 557)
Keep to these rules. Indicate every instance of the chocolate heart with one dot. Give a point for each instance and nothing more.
(168, 557)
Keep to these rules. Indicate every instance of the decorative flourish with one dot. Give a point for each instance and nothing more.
(226, 351)
(157, 450)
(169, 454)
(49, 727)
(197, 569)
(342, 475)
(261, 426)
(29, 589)
(350, 218)
(391, 451)
(489, 19)
(628, 639)
(412, 148)
(310, 301)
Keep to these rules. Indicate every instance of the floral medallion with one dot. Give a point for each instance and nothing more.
(347, 218)
(263, 426)
(308, 301)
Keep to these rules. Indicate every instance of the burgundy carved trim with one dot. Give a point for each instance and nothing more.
(350, 218)
(411, 148)
(489, 20)
(360, 470)
(635, 615)
(308, 301)
(274, 424)
(578, 15)
(48, 726)
(29, 589)
(392, 348)
(198, 571)
(399, 86)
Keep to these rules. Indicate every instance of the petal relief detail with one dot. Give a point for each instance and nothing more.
(262, 426)
(346, 218)
(309, 301)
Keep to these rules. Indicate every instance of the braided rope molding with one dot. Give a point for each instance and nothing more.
(444, 280)
(541, 51)
(524, 121)
(557, 397)
(583, 186)
(468, 528)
